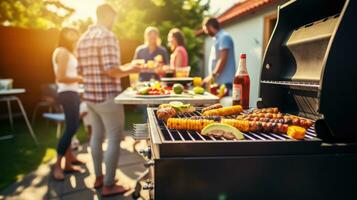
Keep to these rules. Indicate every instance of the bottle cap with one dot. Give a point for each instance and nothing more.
(243, 55)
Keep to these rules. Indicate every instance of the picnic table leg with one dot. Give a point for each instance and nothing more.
(10, 114)
(26, 120)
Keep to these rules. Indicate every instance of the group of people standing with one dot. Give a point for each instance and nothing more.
(93, 59)
(152, 47)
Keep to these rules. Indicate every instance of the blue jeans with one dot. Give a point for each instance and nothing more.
(70, 102)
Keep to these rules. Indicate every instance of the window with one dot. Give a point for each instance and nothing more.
(269, 24)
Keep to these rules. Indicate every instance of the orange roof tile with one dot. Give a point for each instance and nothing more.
(240, 9)
(243, 8)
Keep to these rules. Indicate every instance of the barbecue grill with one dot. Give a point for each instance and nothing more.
(305, 72)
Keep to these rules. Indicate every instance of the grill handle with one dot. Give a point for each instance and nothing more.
(148, 186)
(149, 163)
(146, 152)
(140, 131)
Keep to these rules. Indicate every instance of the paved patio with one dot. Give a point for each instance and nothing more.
(39, 184)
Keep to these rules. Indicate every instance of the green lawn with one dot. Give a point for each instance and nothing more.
(20, 155)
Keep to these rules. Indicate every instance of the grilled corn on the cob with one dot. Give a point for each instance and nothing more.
(231, 110)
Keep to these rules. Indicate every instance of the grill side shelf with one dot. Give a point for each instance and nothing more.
(153, 127)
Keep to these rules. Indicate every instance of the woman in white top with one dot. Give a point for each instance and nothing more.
(67, 79)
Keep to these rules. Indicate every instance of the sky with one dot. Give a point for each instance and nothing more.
(86, 8)
(219, 6)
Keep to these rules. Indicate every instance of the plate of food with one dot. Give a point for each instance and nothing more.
(152, 90)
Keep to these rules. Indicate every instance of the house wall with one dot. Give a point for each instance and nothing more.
(247, 33)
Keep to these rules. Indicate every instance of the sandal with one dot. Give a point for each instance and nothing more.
(77, 162)
(113, 190)
(99, 181)
(73, 169)
(57, 174)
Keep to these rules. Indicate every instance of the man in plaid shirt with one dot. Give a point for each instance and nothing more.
(99, 64)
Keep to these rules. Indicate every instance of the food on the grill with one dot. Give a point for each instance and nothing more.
(296, 132)
(179, 107)
(182, 108)
(214, 118)
(242, 125)
(188, 124)
(198, 90)
(231, 110)
(165, 113)
(256, 126)
(266, 110)
(277, 118)
(219, 130)
(211, 107)
(165, 105)
(177, 88)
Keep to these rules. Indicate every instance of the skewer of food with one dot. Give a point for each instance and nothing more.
(224, 111)
(294, 131)
(266, 110)
(188, 124)
(277, 118)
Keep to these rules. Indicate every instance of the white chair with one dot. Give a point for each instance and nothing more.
(58, 118)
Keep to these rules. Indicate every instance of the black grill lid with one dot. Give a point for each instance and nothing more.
(309, 65)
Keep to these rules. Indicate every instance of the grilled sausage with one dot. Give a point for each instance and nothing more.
(214, 118)
(165, 113)
(214, 106)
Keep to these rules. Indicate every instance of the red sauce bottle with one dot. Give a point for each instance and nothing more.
(241, 84)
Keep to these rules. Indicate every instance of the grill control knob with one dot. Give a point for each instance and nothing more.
(149, 163)
(146, 152)
(148, 186)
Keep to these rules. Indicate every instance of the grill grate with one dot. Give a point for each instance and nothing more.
(173, 135)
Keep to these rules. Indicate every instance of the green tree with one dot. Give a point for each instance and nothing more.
(135, 15)
(33, 13)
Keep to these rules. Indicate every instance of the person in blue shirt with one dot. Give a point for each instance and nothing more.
(221, 64)
(151, 51)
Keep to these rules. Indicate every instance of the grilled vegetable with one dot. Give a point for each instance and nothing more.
(188, 124)
(296, 132)
(242, 125)
(214, 106)
(214, 118)
(222, 130)
(182, 108)
(232, 110)
(179, 107)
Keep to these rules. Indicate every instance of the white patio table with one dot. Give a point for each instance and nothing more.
(8, 96)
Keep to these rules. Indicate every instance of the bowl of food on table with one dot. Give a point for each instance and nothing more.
(182, 72)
